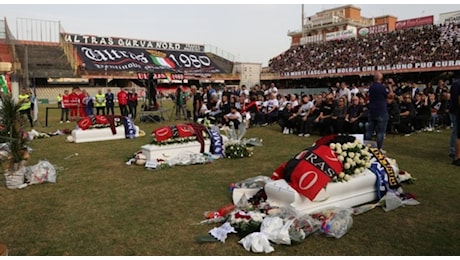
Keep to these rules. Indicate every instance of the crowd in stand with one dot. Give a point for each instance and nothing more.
(427, 44)
(341, 110)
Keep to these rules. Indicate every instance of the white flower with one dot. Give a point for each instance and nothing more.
(338, 150)
(368, 164)
(257, 216)
(332, 146)
(357, 156)
(344, 154)
(340, 158)
(341, 175)
(353, 163)
(347, 177)
(338, 145)
(351, 154)
(345, 146)
(357, 171)
(349, 160)
(346, 166)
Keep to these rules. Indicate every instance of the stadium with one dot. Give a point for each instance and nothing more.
(101, 205)
(334, 44)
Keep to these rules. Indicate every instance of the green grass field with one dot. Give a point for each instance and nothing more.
(101, 206)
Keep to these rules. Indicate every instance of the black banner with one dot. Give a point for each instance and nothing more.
(109, 58)
(131, 43)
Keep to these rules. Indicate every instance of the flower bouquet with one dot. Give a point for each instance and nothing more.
(246, 222)
(237, 150)
(354, 156)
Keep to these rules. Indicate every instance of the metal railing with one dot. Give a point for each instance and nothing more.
(219, 52)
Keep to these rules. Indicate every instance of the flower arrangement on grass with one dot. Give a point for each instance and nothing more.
(246, 222)
(176, 140)
(354, 156)
(235, 150)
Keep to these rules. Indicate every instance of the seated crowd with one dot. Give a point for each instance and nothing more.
(341, 110)
(427, 44)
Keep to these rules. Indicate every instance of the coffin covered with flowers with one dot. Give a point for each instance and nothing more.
(317, 190)
(194, 143)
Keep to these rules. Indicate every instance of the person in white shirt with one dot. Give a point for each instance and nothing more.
(273, 89)
(304, 111)
(234, 116)
(244, 90)
(354, 90)
(344, 91)
(271, 115)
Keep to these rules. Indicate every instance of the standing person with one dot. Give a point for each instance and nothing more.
(344, 91)
(25, 108)
(122, 97)
(132, 103)
(81, 98)
(65, 104)
(100, 102)
(109, 102)
(59, 100)
(88, 104)
(180, 102)
(74, 104)
(378, 111)
(454, 113)
(197, 102)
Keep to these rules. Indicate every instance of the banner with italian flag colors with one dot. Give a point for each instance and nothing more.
(165, 62)
(140, 60)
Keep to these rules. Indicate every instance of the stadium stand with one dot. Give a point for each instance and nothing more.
(425, 44)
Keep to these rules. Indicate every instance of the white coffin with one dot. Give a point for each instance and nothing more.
(358, 190)
(99, 134)
(165, 152)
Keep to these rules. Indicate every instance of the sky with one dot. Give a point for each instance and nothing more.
(249, 32)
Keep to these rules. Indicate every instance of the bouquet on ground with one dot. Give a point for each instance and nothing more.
(237, 150)
(354, 156)
(246, 221)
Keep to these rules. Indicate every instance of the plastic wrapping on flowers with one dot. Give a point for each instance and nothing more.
(245, 222)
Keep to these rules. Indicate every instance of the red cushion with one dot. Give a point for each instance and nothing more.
(185, 130)
(163, 133)
(85, 123)
(101, 120)
(313, 172)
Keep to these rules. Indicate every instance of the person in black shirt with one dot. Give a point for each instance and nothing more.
(197, 102)
(109, 102)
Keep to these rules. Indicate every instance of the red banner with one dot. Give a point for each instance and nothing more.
(414, 22)
(169, 76)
